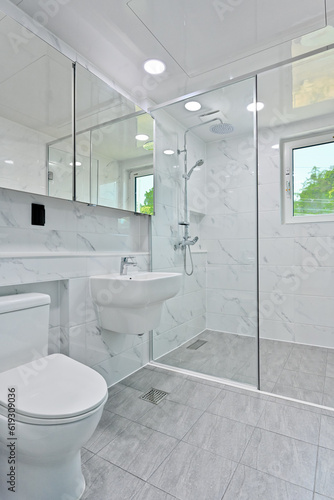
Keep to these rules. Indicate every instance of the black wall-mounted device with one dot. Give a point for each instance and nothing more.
(37, 214)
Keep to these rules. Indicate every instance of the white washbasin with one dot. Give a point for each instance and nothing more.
(132, 303)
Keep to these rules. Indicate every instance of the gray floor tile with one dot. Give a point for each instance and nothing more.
(151, 493)
(297, 393)
(144, 379)
(171, 418)
(220, 435)
(309, 381)
(330, 370)
(237, 406)
(290, 421)
(328, 400)
(326, 439)
(321, 497)
(190, 473)
(307, 359)
(194, 394)
(85, 455)
(138, 450)
(109, 426)
(282, 457)
(128, 404)
(324, 482)
(102, 476)
(250, 484)
(114, 389)
(329, 386)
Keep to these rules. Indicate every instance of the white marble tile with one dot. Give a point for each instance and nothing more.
(276, 252)
(314, 335)
(277, 330)
(118, 367)
(234, 277)
(313, 310)
(277, 306)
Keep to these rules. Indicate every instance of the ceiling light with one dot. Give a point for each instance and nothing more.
(169, 152)
(154, 66)
(9, 162)
(77, 164)
(259, 106)
(141, 137)
(275, 146)
(192, 106)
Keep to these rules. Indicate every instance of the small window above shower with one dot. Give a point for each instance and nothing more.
(307, 177)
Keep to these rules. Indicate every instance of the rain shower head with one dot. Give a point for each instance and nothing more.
(222, 128)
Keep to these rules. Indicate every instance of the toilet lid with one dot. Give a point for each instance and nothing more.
(55, 386)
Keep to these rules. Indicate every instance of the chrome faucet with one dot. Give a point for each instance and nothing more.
(127, 262)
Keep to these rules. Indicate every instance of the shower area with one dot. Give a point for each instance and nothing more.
(256, 302)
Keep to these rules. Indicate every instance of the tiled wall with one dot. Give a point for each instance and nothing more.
(76, 242)
(296, 260)
(183, 316)
(229, 235)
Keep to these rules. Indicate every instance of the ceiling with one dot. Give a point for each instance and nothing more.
(202, 42)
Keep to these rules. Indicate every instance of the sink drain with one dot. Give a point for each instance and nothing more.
(154, 396)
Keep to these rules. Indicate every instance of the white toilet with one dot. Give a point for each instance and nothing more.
(58, 403)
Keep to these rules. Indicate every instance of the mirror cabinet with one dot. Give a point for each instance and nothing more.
(66, 133)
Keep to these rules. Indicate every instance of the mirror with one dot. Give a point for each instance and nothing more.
(112, 167)
(35, 107)
(110, 160)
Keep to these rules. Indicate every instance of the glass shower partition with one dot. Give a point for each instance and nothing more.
(205, 227)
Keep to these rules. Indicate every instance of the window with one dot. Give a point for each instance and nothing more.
(308, 177)
(141, 189)
(144, 194)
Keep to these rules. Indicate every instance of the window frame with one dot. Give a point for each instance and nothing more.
(287, 145)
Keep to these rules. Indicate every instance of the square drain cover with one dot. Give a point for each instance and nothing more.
(197, 344)
(154, 396)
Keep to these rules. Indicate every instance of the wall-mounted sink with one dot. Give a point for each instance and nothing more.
(132, 303)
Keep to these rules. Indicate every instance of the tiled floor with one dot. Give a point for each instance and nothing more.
(293, 370)
(207, 441)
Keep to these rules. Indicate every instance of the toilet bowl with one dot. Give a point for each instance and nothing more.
(49, 408)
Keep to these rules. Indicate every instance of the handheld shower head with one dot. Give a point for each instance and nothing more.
(197, 164)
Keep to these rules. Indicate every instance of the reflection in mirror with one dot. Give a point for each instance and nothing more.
(35, 110)
(114, 148)
(109, 157)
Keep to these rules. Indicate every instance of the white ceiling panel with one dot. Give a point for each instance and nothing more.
(201, 35)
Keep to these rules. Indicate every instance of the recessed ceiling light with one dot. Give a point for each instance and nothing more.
(9, 162)
(141, 137)
(169, 152)
(275, 146)
(154, 66)
(259, 106)
(192, 106)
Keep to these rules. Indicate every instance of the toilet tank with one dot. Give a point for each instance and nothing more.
(24, 327)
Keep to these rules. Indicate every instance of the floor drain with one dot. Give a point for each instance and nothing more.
(154, 396)
(197, 344)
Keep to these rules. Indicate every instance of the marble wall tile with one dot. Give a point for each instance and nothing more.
(115, 368)
(234, 277)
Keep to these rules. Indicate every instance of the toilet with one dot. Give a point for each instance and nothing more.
(50, 405)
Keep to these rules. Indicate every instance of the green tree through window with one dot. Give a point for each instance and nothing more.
(147, 207)
(317, 193)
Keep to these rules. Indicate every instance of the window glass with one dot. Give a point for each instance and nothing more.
(313, 179)
(144, 194)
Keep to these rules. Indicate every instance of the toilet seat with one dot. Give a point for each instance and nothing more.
(53, 389)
